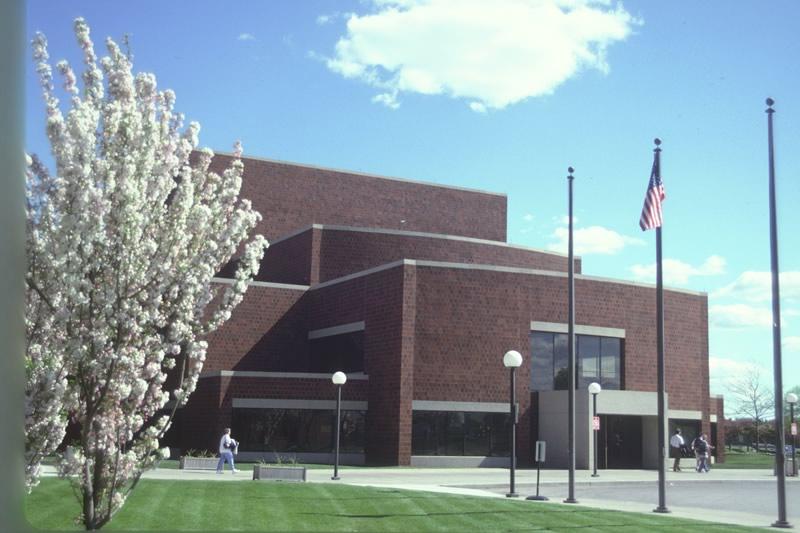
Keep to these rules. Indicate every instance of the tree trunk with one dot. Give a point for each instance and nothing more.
(88, 511)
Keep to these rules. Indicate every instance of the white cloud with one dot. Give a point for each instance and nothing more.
(739, 316)
(492, 53)
(722, 367)
(722, 371)
(528, 217)
(757, 287)
(564, 220)
(324, 20)
(387, 99)
(592, 240)
(246, 37)
(677, 272)
(478, 107)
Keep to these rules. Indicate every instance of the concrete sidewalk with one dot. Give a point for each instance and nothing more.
(744, 497)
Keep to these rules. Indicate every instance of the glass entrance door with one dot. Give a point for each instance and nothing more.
(620, 442)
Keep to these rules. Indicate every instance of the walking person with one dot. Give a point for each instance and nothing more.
(227, 446)
(676, 445)
(709, 449)
(701, 452)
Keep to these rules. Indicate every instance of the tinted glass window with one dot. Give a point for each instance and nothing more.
(598, 359)
(542, 361)
(561, 360)
(610, 360)
(297, 430)
(459, 433)
(589, 361)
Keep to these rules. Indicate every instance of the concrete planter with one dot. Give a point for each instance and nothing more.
(199, 463)
(279, 473)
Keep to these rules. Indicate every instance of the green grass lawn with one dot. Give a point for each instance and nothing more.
(734, 459)
(272, 506)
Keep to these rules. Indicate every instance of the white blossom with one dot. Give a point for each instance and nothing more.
(124, 236)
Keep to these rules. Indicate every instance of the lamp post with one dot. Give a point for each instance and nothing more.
(512, 360)
(338, 379)
(791, 399)
(570, 350)
(594, 390)
(777, 365)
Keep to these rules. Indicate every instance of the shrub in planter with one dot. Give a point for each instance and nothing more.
(279, 472)
(283, 470)
(199, 460)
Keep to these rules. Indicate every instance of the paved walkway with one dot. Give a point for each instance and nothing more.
(745, 497)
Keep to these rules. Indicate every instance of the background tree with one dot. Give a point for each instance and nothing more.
(753, 399)
(123, 241)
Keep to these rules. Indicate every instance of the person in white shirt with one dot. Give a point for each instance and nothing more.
(676, 444)
(226, 447)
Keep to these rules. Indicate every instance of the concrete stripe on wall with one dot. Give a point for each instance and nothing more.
(278, 375)
(277, 403)
(471, 407)
(336, 330)
(557, 327)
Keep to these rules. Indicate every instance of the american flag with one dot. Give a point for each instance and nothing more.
(651, 211)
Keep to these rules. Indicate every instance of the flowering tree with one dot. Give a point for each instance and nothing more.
(123, 240)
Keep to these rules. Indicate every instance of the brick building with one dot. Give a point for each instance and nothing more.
(411, 290)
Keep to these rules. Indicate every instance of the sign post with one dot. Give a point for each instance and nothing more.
(541, 448)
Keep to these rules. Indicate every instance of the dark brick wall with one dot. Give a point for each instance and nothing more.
(322, 254)
(266, 332)
(716, 405)
(383, 300)
(436, 333)
(199, 424)
(285, 389)
(291, 196)
(467, 320)
(289, 260)
(344, 252)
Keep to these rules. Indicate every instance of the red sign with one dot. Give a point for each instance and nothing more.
(794, 428)
(596, 423)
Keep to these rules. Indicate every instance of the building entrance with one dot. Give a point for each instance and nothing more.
(620, 442)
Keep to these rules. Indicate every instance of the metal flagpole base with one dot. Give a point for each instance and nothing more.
(335, 478)
(512, 495)
(570, 500)
(538, 498)
(782, 524)
(661, 510)
(595, 475)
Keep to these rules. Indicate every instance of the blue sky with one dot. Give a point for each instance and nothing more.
(504, 96)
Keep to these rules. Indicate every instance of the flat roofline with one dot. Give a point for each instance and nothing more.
(494, 268)
(269, 284)
(364, 174)
(384, 231)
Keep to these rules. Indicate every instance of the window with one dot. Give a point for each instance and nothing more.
(588, 356)
(343, 352)
(297, 430)
(597, 358)
(459, 433)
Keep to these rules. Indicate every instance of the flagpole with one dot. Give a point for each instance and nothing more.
(571, 350)
(780, 449)
(662, 456)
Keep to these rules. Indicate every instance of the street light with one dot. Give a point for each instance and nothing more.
(791, 399)
(338, 379)
(594, 390)
(512, 360)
